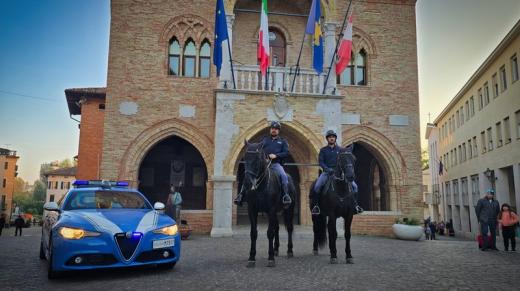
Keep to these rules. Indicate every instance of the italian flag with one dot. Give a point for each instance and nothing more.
(345, 48)
(263, 40)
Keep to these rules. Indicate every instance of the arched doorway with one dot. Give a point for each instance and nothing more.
(174, 161)
(374, 194)
(298, 154)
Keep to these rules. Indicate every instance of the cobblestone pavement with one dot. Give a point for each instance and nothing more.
(220, 264)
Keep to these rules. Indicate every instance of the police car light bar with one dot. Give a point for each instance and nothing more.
(99, 183)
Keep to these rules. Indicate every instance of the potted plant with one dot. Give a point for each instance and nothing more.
(408, 229)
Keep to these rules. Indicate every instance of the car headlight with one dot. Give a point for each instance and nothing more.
(76, 233)
(169, 230)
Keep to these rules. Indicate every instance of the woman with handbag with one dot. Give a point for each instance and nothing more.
(508, 220)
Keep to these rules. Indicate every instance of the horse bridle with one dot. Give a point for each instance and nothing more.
(256, 175)
(342, 177)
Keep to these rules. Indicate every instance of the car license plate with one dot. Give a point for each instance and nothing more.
(163, 243)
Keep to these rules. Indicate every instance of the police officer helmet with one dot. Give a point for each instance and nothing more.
(276, 124)
(331, 132)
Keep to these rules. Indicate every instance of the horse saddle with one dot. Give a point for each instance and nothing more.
(328, 186)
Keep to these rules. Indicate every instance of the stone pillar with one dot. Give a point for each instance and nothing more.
(330, 46)
(225, 71)
(502, 186)
(222, 206)
(516, 181)
(225, 132)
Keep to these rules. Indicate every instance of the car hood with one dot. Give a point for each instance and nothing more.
(118, 220)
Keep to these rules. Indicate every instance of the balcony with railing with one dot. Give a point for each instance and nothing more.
(278, 80)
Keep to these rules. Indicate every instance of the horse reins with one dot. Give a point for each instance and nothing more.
(262, 176)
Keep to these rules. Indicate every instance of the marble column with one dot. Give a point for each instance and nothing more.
(330, 45)
(225, 71)
(222, 207)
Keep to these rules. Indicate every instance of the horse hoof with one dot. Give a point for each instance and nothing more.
(270, 263)
(276, 253)
(251, 264)
(333, 261)
(290, 254)
(350, 261)
(315, 252)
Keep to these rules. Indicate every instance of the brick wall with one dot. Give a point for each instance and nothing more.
(90, 139)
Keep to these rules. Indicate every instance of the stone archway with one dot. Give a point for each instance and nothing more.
(303, 147)
(386, 166)
(142, 144)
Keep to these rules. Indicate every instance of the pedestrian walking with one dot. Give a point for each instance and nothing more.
(442, 226)
(427, 232)
(18, 223)
(433, 229)
(174, 204)
(508, 220)
(2, 222)
(487, 211)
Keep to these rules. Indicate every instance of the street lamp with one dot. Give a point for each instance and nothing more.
(490, 174)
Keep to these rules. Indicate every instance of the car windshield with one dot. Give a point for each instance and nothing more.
(103, 199)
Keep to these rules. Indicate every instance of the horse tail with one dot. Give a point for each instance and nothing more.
(319, 225)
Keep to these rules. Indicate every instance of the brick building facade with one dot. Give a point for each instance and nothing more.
(169, 120)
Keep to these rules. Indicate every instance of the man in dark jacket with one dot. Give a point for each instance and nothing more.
(328, 158)
(18, 223)
(487, 210)
(277, 149)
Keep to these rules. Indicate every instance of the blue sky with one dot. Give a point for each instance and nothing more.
(48, 46)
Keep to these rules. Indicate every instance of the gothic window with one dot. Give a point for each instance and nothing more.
(204, 60)
(356, 71)
(189, 59)
(174, 57)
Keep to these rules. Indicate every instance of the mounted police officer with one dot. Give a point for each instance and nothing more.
(277, 150)
(328, 158)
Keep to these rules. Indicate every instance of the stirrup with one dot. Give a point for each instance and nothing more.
(286, 199)
(358, 209)
(315, 210)
(238, 200)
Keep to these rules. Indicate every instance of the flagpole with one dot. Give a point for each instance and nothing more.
(297, 69)
(336, 49)
(231, 62)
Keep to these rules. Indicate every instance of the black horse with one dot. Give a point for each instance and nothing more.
(336, 201)
(262, 190)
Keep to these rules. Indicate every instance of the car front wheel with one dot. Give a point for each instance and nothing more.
(51, 274)
(42, 252)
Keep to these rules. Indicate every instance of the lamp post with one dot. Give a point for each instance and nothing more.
(490, 174)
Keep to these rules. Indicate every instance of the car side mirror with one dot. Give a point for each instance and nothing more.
(51, 206)
(158, 206)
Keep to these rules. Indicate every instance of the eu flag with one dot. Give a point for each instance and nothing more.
(314, 28)
(221, 34)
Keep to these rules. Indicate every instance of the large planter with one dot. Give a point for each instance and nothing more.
(407, 232)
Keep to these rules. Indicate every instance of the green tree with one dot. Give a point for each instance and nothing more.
(39, 191)
(425, 159)
(65, 163)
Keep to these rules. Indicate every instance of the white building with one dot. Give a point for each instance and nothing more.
(59, 182)
(477, 138)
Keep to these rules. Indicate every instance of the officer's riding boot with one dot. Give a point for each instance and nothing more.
(286, 199)
(240, 196)
(357, 208)
(316, 209)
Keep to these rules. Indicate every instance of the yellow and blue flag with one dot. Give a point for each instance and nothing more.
(221, 34)
(314, 28)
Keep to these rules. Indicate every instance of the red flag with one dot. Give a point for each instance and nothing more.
(263, 40)
(345, 48)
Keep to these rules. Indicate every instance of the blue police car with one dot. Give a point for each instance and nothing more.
(104, 224)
